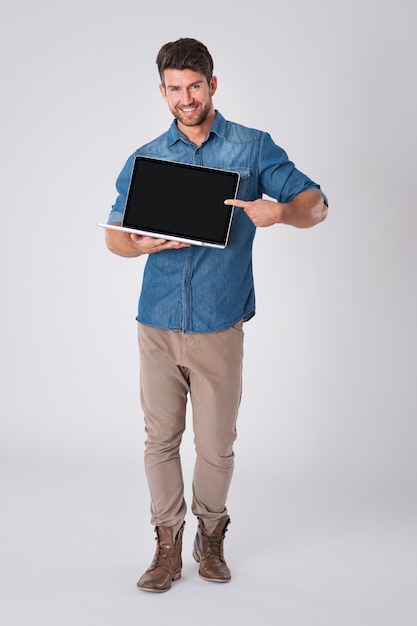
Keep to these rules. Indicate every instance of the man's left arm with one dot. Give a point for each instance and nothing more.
(305, 210)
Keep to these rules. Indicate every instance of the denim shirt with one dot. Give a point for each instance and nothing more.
(200, 289)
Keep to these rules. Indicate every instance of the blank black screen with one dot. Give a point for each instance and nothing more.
(179, 199)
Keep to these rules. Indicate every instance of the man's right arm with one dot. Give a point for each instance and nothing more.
(131, 245)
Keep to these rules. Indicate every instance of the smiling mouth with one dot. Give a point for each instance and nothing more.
(189, 110)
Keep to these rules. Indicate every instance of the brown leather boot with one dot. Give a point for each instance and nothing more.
(167, 562)
(208, 551)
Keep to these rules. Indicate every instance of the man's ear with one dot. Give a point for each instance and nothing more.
(163, 91)
(213, 85)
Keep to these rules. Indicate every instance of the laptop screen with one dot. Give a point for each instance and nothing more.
(180, 200)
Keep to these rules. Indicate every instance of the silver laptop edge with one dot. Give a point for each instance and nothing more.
(146, 233)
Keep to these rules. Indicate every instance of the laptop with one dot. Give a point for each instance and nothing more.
(179, 202)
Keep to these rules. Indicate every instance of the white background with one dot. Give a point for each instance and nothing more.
(323, 502)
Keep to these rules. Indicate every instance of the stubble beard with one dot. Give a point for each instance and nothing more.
(194, 120)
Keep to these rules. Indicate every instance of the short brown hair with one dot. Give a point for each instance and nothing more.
(185, 54)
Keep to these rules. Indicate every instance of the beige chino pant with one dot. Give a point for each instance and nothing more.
(208, 369)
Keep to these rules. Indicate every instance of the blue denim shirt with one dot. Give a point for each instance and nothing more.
(200, 289)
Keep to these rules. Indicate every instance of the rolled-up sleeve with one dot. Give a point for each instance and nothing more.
(122, 187)
(279, 177)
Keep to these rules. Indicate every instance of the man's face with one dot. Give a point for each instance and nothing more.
(188, 95)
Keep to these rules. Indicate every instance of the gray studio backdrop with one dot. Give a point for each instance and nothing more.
(328, 413)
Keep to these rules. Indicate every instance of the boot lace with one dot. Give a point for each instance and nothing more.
(162, 557)
(215, 544)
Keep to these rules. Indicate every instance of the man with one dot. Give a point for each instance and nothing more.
(193, 303)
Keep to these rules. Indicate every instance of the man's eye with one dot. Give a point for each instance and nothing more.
(194, 87)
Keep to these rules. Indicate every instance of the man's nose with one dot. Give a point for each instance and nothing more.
(186, 97)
